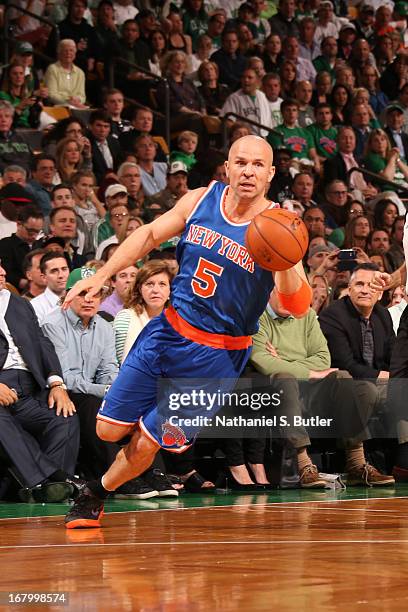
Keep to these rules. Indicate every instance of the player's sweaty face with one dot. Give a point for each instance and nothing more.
(249, 167)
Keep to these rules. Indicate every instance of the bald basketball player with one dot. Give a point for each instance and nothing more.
(216, 301)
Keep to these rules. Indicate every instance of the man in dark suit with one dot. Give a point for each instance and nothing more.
(14, 248)
(229, 60)
(394, 122)
(39, 430)
(359, 332)
(106, 151)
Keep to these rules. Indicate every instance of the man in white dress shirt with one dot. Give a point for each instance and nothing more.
(55, 269)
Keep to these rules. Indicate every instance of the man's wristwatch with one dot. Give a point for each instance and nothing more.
(59, 384)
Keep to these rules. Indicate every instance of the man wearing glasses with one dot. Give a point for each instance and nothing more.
(118, 218)
(14, 248)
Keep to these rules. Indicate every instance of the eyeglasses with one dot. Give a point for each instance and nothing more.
(356, 211)
(338, 193)
(30, 230)
(119, 215)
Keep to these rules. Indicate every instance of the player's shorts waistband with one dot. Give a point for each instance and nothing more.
(219, 341)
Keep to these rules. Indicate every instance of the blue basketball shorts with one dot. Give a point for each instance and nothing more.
(162, 370)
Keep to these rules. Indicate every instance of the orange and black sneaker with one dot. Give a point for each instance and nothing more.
(86, 511)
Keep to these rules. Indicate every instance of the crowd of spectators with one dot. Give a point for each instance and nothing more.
(84, 164)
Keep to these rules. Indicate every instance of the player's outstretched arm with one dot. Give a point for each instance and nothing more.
(294, 291)
(140, 242)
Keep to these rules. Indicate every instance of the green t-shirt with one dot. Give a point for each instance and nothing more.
(321, 64)
(324, 141)
(297, 139)
(374, 162)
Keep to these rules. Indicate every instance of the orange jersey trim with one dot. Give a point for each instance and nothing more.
(218, 341)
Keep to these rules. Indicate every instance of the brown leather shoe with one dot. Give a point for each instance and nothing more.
(400, 474)
(309, 478)
(368, 476)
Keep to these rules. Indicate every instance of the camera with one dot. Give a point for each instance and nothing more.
(347, 260)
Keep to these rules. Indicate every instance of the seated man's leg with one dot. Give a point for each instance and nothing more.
(350, 403)
(58, 436)
(290, 406)
(33, 466)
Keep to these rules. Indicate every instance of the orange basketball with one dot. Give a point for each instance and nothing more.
(276, 239)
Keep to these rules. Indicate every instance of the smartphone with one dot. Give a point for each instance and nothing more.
(347, 259)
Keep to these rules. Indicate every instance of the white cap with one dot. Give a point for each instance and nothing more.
(113, 190)
(177, 166)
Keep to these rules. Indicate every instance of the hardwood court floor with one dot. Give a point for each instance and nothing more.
(288, 551)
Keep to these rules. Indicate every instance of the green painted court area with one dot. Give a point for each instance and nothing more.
(222, 498)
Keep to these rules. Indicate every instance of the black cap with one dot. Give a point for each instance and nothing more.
(15, 193)
(52, 240)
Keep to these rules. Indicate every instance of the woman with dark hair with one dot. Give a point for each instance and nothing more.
(213, 93)
(71, 127)
(26, 106)
(287, 74)
(340, 100)
(356, 232)
(177, 40)
(385, 213)
(159, 47)
(272, 55)
(383, 52)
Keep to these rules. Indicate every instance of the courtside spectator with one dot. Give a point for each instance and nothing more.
(39, 428)
(85, 345)
(54, 268)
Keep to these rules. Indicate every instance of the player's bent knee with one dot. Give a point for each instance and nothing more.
(109, 432)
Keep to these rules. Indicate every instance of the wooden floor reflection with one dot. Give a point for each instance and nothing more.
(345, 555)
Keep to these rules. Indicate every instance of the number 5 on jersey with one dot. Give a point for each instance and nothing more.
(204, 283)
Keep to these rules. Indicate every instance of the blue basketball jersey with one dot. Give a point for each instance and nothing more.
(219, 288)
